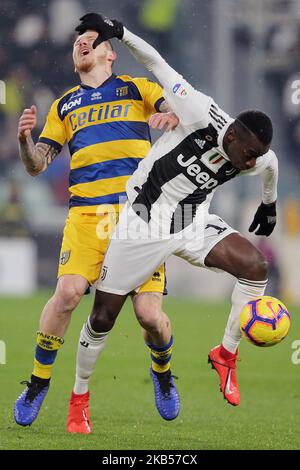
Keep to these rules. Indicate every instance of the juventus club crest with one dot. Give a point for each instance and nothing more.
(103, 273)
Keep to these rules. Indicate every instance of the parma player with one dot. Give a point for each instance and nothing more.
(169, 197)
(104, 121)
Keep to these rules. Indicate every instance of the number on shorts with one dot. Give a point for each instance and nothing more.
(217, 228)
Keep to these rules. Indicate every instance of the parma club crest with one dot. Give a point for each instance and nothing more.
(156, 277)
(123, 91)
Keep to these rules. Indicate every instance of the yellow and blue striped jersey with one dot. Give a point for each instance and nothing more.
(107, 133)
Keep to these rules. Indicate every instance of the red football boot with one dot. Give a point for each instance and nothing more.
(224, 362)
(78, 420)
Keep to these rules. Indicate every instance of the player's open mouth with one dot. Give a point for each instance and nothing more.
(84, 52)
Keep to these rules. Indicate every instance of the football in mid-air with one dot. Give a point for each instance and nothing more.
(265, 321)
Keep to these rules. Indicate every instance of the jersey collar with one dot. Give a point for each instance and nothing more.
(221, 138)
(106, 82)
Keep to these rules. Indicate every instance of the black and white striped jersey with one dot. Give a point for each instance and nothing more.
(184, 167)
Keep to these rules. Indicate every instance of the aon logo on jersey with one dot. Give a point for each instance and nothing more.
(194, 169)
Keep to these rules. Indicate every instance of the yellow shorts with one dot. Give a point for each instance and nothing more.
(85, 241)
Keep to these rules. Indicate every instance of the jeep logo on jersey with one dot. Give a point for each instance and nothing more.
(194, 169)
(71, 105)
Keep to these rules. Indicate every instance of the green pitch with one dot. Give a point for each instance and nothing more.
(122, 403)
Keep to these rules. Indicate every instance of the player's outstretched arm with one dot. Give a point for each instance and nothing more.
(189, 104)
(36, 158)
(143, 52)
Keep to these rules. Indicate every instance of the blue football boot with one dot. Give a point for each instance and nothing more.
(28, 404)
(166, 395)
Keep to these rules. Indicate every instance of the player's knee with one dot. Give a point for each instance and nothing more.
(152, 324)
(261, 268)
(103, 318)
(68, 294)
(149, 318)
(257, 268)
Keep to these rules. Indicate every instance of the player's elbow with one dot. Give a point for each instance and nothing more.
(35, 171)
(32, 172)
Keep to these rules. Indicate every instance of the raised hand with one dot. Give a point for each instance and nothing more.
(106, 27)
(265, 218)
(27, 122)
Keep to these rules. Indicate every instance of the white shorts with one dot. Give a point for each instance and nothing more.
(133, 256)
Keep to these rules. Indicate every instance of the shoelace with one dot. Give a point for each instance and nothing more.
(165, 382)
(33, 390)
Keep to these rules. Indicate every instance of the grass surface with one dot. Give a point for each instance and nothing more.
(122, 402)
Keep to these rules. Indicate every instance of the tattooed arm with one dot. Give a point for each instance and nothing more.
(35, 158)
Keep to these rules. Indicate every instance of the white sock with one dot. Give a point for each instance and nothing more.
(243, 291)
(90, 345)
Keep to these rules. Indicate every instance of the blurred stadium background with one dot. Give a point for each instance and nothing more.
(245, 54)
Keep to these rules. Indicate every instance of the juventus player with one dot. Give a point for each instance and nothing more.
(168, 200)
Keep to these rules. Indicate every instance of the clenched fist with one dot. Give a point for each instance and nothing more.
(27, 122)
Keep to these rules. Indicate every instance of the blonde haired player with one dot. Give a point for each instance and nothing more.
(104, 120)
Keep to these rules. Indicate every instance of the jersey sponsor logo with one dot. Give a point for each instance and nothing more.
(71, 104)
(122, 91)
(103, 112)
(97, 95)
(213, 160)
(64, 257)
(193, 169)
(179, 90)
